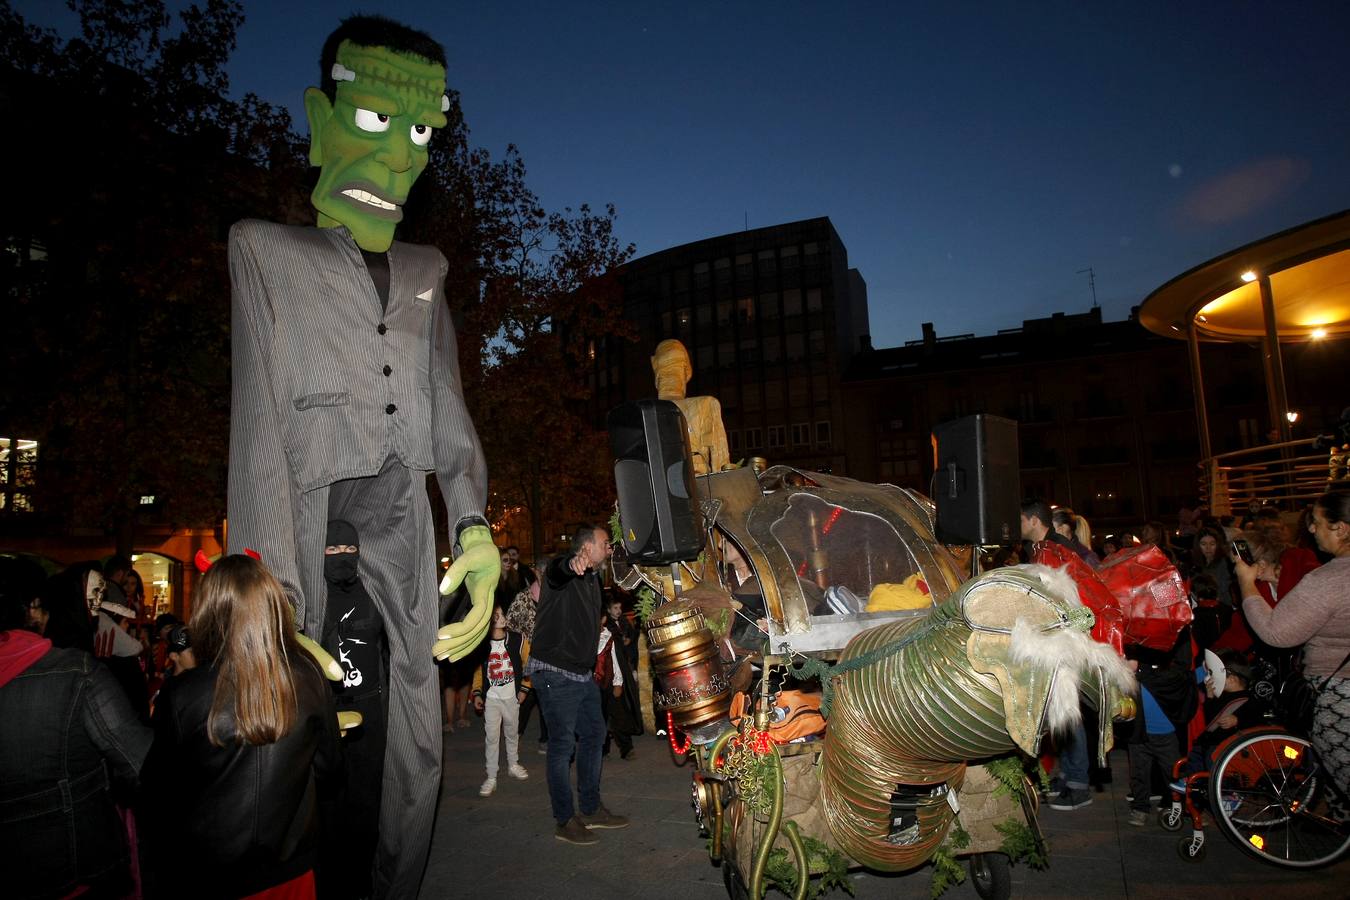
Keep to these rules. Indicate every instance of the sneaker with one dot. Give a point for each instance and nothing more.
(515, 770)
(1154, 798)
(488, 787)
(543, 748)
(601, 818)
(1179, 786)
(1138, 817)
(1071, 798)
(660, 732)
(574, 832)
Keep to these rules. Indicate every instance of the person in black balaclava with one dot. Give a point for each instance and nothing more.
(354, 635)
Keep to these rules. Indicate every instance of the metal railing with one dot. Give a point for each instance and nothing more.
(1287, 475)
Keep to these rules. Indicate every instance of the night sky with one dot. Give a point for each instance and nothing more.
(973, 157)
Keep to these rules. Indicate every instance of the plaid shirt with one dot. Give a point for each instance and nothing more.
(538, 665)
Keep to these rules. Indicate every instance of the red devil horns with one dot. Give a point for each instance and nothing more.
(203, 563)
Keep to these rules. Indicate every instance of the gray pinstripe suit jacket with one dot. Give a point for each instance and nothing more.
(326, 387)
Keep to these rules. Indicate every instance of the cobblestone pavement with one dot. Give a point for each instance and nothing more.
(504, 844)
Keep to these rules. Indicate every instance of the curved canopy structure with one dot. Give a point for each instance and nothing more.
(1292, 286)
(1308, 272)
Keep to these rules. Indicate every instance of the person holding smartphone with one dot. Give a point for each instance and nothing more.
(1316, 614)
(1261, 550)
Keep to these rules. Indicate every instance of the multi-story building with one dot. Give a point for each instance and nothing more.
(771, 318)
(1106, 409)
(776, 324)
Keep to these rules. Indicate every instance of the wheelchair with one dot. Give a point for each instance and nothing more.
(1268, 791)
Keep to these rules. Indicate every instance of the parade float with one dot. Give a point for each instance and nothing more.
(848, 696)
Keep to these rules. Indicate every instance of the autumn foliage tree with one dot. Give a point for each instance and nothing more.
(115, 254)
(539, 294)
(115, 265)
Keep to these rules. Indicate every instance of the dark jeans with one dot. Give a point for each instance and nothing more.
(616, 722)
(572, 711)
(1073, 759)
(1154, 748)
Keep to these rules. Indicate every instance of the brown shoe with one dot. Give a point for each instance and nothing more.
(574, 832)
(602, 818)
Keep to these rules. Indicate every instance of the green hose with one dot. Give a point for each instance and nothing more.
(708, 758)
(794, 837)
(771, 831)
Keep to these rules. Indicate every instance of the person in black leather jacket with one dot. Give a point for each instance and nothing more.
(67, 727)
(244, 744)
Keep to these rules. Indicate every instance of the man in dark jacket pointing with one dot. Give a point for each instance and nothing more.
(561, 666)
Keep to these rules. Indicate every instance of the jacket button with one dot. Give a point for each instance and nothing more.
(387, 370)
(390, 409)
(382, 329)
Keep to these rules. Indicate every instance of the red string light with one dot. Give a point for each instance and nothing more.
(801, 570)
(834, 517)
(670, 735)
(761, 743)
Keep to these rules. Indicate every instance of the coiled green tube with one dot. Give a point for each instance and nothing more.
(794, 838)
(765, 845)
(908, 720)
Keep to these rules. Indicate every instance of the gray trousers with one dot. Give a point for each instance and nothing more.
(392, 515)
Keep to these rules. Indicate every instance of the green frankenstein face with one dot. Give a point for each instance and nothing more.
(371, 140)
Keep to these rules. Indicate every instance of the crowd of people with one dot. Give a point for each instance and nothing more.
(1266, 597)
(137, 759)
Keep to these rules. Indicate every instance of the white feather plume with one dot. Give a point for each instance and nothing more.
(1066, 654)
(1057, 582)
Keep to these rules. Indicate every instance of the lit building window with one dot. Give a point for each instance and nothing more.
(745, 310)
(18, 474)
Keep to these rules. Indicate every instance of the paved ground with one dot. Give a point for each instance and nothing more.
(504, 844)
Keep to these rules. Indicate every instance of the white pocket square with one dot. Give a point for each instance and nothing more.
(426, 295)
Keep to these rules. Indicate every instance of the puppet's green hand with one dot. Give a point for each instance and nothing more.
(478, 568)
(330, 666)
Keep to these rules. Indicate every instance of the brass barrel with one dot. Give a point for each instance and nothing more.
(691, 681)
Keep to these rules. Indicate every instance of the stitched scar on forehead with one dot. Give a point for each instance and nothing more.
(397, 72)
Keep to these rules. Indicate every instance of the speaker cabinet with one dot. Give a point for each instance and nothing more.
(977, 481)
(654, 473)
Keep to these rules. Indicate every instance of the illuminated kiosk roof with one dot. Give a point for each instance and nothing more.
(1309, 271)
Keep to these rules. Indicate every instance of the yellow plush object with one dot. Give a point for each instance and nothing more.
(912, 593)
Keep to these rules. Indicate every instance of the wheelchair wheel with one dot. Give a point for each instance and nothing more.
(1170, 817)
(1268, 793)
(1192, 848)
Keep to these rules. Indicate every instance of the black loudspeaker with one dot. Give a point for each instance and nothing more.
(978, 481)
(654, 473)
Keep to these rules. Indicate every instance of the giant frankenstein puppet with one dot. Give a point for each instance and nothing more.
(346, 393)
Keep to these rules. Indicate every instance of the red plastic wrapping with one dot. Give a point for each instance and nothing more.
(1096, 596)
(1151, 595)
